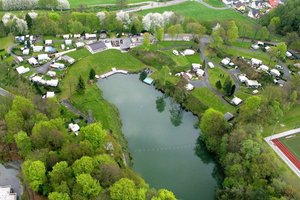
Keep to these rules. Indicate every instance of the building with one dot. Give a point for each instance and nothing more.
(48, 42)
(22, 70)
(210, 64)
(125, 44)
(26, 52)
(43, 57)
(252, 84)
(273, 3)
(6, 193)
(37, 48)
(51, 73)
(68, 42)
(57, 65)
(79, 44)
(255, 62)
(188, 52)
(49, 95)
(96, 47)
(243, 78)
(19, 59)
(264, 68)
(74, 128)
(148, 80)
(236, 101)
(52, 82)
(66, 36)
(275, 72)
(33, 61)
(189, 87)
(200, 72)
(225, 61)
(196, 66)
(90, 36)
(68, 59)
(77, 36)
(253, 13)
(228, 116)
(50, 49)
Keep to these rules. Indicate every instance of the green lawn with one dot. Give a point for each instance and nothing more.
(215, 3)
(77, 3)
(211, 100)
(292, 144)
(290, 120)
(201, 13)
(5, 42)
(242, 44)
(216, 74)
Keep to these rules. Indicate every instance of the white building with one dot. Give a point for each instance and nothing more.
(264, 68)
(33, 61)
(37, 48)
(51, 73)
(52, 82)
(225, 61)
(90, 36)
(236, 101)
(26, 52)
(253, 84)
(210, 64)
(48, 42)
(243, 78)
(196, 66)
(275, 72)
(200, 72)
(50, 95)
(66, 37)
(77, 35)
(43, 57)
(19, 59)
(79, 44)
(22, 70)
(57, 65)
(68, 42)
(255, 62)
(6, 193)
(36, 79)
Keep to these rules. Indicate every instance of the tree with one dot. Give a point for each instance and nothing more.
(89, 186)
(216, 39)
(80, 86)
(146, 41)
(23, 143)
(196, 29)
(264, 33)
(227, 86)
(213, 127)
(232, 90)
(218, 85)
(34, 174)
(293, 40)
(60, 196)
(75, 27)
(83, 166)
(164, 194)
(14, 122)
(60, 172)
(159, 34)
(143, 75)
(250, 109)
(29, 21)
(274, 23)
(232, 32)
(124, 189)
(92, 74)
(172, 31)
(281, 50)
(160, 104)
(95, 134)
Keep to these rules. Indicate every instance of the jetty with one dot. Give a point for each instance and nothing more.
(112, 72)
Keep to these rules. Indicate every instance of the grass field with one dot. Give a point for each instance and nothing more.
(216, 74)
(201, 13)
(290, 120)
(77, 3)
(215, 3)
(211, 100)
(292, 144)
(5, 42)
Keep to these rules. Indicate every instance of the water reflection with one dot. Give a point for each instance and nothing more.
(160, 104)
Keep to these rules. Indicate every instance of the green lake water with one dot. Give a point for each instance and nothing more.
(165, 152)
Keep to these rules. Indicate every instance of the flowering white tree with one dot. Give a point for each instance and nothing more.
(33, 14)
(21, 26)
(153, 21)
(101, 16)
(168, 15)
(124, 18)
(6, 18)
(19, 4)
(63, 4)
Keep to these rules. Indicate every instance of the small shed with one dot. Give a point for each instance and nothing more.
(37, 48)
(236, 101)
(26, 52)
(228, 116)
(68, 42)
(225, 61)
(22, 70)
(148, 80)
(74, 128)
(52, 82)
(43, 57)
(50, 95)
(48, 42)
(33, 61)
(210, 64)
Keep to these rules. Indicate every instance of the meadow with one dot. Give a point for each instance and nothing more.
(215, 3)
(201, 13)
(77, 3)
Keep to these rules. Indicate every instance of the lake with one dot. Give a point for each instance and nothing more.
(164, 145)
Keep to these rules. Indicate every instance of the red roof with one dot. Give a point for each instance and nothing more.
(273, 3)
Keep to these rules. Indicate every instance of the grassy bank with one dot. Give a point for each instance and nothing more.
(215, 3)
(6, 42)
(78, 3)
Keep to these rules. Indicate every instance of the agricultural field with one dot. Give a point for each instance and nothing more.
(203, 14)
(77, 3)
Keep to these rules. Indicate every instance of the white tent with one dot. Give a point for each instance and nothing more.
(22, 70)
(50, 95)
(188, 52)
